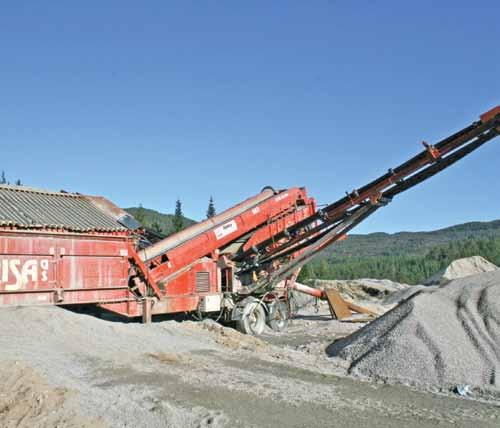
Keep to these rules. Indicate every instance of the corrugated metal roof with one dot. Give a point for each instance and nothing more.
(29, 208)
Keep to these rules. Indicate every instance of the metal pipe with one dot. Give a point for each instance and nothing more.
(301, 288)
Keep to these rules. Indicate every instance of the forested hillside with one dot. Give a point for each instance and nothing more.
(384, 244)
(156, 221)
(406, 256)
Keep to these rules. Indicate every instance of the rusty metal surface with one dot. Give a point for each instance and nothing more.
(28, 208)
(491, 114)
(338, 306)
(57, 268)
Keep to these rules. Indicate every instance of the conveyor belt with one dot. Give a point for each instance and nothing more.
(334, 221)
(189, 233)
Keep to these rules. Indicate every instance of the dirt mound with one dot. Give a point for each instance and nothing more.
(377, 295)
(446, 337)
(228, 337)
(462, 268)
(362, 289)
(83, 359)
(27, 401)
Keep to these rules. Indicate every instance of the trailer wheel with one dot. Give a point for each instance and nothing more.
(279, 316)
(253, 320)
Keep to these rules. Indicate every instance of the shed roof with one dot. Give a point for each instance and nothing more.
(29, 208)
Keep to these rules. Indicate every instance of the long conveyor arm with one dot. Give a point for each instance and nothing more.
(332, 223)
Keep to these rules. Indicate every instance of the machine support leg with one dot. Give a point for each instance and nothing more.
(339, 308)
(146, 310)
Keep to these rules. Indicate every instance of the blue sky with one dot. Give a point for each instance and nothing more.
(144, 102)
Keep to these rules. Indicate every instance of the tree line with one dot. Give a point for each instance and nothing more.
(3, 180)
(404, 268)
(178, 219)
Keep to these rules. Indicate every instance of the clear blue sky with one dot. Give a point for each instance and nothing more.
(144, 102)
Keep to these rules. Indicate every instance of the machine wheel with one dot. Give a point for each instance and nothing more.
(253, 320)
(279, 316)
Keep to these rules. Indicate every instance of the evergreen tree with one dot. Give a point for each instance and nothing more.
(178, 220)
(3, 179)
(18, 182)
(211, 208)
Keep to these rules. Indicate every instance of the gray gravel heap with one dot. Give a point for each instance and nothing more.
(442, 338)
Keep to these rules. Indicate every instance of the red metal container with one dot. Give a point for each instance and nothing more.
(62, 268)
(61, 248)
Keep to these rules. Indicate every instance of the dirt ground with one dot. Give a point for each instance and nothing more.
(67, 369)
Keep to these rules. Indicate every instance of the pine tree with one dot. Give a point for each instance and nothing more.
(211, 208)
(178, 220)
(3, 179)
(18, 182)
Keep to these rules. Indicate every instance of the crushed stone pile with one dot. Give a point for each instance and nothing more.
(398, 296)
(362, 289)
(377, 295)
(443, 338)
(462, 268)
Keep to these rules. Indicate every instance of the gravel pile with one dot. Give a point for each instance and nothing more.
(462, 268)
(398, 296)
(443, 338)
(69, 352)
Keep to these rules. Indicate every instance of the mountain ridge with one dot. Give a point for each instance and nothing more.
(385, 244)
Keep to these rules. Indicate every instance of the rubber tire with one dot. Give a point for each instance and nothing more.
(280, 317)
(254, 322)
